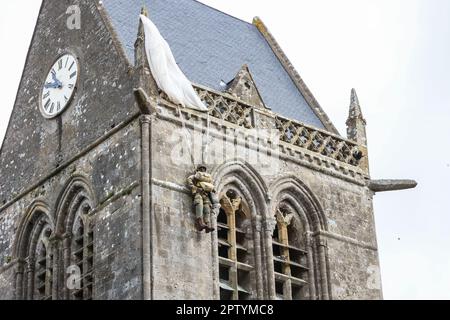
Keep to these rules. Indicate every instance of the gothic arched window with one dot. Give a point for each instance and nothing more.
(43, 271)
(290, 255)
(81, 260)
(235, 259)
(35, 250)
(75, 224)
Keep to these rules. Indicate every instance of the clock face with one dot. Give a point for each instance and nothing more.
(59, 86)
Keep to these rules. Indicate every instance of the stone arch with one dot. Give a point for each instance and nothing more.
(77, 191)
(76, 200)
(290, 188)
(291, 191)
(36, 221)
(244, 179)
(37, 213)
(247, 180)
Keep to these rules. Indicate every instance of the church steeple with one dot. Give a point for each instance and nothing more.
(356, 124)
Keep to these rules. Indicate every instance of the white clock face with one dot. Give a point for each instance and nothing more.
(59, 86)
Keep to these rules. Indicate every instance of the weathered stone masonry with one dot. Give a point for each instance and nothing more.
(103, 185)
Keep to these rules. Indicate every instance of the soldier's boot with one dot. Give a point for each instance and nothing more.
(199, 224)
(209, 229)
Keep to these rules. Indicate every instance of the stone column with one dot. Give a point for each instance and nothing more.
(19, 280)
(30, 278)
(322, 244)
(67, 241)
(215, 253)
(258, 256)
(269, 227)
(54, 246)
(145, 121)
(311, 280)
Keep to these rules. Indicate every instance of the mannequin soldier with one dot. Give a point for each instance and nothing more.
(205, 197)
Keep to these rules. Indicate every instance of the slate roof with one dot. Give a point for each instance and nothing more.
(211, 46)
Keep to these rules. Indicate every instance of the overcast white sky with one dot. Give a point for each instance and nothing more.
(396, 53)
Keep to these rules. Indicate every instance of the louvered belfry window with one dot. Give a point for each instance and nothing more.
(235, 264)
(44, 267)
(290, 257)
(82, 257)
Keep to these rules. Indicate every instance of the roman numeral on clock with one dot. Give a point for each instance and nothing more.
(58, 106)
(52, 107)
(46, 104)
(73, 74)
(60, 62)
(70, 86)
(45, 96)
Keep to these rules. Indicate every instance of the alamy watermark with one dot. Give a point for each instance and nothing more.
(374, 279)
(74, 278)
(74, 19)
(256, 147)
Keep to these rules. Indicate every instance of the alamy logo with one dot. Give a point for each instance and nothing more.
(74, 280)
(373, 281)
(258, 147)
(74, 20)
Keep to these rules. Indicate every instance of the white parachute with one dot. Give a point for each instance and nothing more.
(165, 71)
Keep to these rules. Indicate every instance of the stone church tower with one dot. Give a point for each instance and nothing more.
(94, 202)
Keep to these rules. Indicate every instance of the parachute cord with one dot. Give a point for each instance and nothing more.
(205, 150)
(187, 137)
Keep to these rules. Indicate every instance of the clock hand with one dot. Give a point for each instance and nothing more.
(53, 85)
(57, 83)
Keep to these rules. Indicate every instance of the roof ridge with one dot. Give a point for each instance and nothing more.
(224, 13)
(294, 75)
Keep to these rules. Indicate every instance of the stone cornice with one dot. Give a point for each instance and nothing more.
(66, 164)
(196, 120)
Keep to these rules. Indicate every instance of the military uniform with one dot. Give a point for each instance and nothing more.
(202, 188)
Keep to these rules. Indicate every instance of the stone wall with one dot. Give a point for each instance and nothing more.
(98, 138)
(112, 170)
(35, 146)
(184, 258)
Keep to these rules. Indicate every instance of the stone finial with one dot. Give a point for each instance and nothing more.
(144, 11)
(143, 75)
(356, 124)
(355, 108)
(244, 88)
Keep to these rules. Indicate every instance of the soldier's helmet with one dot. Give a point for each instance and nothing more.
(200, 167)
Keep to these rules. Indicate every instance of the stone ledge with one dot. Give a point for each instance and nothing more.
(70, 161)
(346, 239)
(198, 121)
